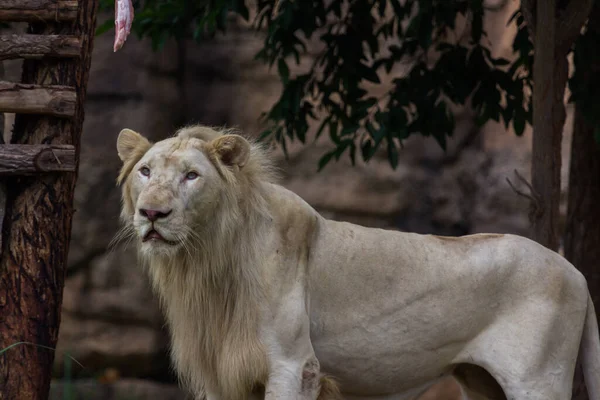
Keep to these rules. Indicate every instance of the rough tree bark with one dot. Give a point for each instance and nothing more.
(582, 234)
(582, 231)
(37, 225)
(2, 183)
(553, 25)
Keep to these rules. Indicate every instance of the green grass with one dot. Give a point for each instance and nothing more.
(68, 388)
(69, 392)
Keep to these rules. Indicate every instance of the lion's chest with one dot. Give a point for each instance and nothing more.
(214, 347)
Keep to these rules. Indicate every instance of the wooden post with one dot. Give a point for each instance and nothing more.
(39, 211)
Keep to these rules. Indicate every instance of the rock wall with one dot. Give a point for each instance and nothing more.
(111, 322)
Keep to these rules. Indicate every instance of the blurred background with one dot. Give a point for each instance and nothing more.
(111, 323)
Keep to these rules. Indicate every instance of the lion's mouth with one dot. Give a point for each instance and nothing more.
(154, 236)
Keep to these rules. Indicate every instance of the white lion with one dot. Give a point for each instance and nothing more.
(266, 299)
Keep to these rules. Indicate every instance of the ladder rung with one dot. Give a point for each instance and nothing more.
(38, 10)
(30, 159)
(36, 99)
(39, 46)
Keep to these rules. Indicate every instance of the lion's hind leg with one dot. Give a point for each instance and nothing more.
(447, 388)
(467, 382)
(477, 384)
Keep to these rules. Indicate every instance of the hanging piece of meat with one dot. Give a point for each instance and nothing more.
(123, 21)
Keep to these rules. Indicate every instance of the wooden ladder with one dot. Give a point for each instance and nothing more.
(20, 98)
(38, 170)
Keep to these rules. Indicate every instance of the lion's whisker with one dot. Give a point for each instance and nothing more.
(125, 233)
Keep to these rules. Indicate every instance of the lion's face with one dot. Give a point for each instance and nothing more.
(172, 186)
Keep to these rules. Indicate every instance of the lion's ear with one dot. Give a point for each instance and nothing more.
(130, 142)
(231, 150)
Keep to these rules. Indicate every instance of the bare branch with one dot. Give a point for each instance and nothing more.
(534, 198)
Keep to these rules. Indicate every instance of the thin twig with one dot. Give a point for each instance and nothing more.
(4, 350)
(519, 192)
(536, 204)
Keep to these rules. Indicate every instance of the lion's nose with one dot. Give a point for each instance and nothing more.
(153, 215)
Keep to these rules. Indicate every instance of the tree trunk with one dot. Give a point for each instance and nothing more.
(582, 231)
(1, 114)
(37, 225)
(554, 25)
(550, 72)
(2, 183)
(582, 235)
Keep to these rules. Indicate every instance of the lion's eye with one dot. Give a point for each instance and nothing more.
(145, 171)
(190, 176)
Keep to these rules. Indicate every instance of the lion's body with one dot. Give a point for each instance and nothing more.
(263, 292)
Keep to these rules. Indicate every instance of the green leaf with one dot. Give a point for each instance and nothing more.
(284, 71)
(352, 154)
(477, 27)
(241, 9)
(322, 126)
(500, 62)
(519, 121)
(381, 9)
(333, 134)
(336, 8)
(333, 128)
(392, 154)
(342, 147)
(350, 128)
(283, 141)
(105, 26)
(371, 129)
(399, 10)
(367, 150)
(441, 140)
(265, 134)
(507, 114)
(513, 16)
(349, 36)
(326, 159)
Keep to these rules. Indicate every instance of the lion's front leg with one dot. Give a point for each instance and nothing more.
(294, 380)
(294, 369)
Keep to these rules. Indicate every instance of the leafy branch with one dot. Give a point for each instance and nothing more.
(384, 70)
